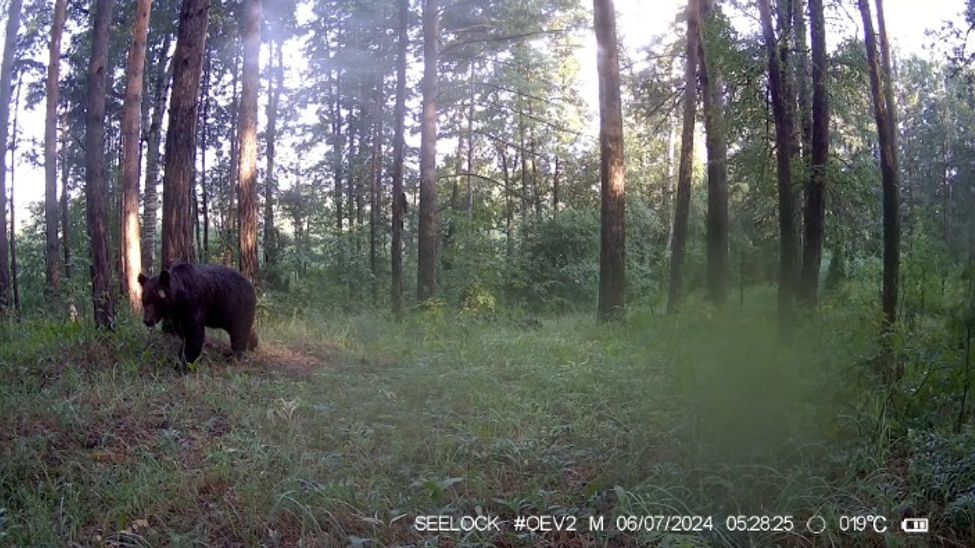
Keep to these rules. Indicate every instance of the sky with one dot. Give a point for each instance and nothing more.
(638, 21)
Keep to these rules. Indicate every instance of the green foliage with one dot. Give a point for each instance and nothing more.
(558, 267)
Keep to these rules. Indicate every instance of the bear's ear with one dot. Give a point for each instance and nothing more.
(164, 279)
(142, 279)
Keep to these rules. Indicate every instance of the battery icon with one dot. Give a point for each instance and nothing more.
(914, 525)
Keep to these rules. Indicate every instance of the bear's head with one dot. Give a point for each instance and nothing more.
(156, 297)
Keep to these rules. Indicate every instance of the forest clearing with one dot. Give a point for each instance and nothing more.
(504, 273)
(345, 440)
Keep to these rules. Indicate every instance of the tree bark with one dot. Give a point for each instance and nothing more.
(802, 77)
(470, 143)
(131, 156)
(784, 140)
(150, 203)
(555, 187)
(717, 147)
(685, 171)
(350, 185)
(884, 114)
(65, 213)
(509, 206)
(231, 225)
(426, 275)
(374, 195)
(204, 189)
(612, 263)
(815, 212)
(6, 77)
(177, 235)
(13, 203)
(96, 190)
(276, 82)
(399, 198)
(52, 259)
(247, 196)
(338, 192)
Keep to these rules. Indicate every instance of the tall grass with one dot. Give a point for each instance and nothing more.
(343, 427)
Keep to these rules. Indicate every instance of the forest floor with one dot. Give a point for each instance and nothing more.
(341, 430)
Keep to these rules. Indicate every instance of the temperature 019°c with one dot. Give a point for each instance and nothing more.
(865, 523)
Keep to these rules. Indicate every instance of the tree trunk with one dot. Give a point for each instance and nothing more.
(350, 186)
(470, 143)
(399, 198)
(374, 195)
(177, 235)
(131, 156)
(784, 139)
(524, 171)
(6, 77)
(685, 171)
(802, 77)
(717, 146)
(13, 203)
(509, 207)
(231, 226)
(204, 189)
(276, 81)
(65, 213)
(96, 191)
(426, 275)
(150, 203)
(884, 113)
(52, 261)
(338, 194)
(668, 197)
(555, 187)
(247, 197)
(612, 259)
(812, 254)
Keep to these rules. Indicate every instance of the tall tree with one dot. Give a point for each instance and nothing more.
(812, 251)
(51, 255)
(150, 201)
(131, 252)
(612, 260)
(426, 276)
(96, 187)
(801, 72)
(375, 194)
(247, 191)
(6, 77)
(276, 80)
(717, 146)
(13, 203)
(884, 114)
(685, 171)
(399, 198)
(177, 234)
(65, 199)
(784, 150)
(204, 217)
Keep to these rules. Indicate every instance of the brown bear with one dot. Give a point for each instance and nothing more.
(192, 297)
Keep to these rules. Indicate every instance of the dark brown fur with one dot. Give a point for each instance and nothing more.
(192, 297)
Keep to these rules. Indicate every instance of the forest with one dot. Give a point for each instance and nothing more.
(527, 272)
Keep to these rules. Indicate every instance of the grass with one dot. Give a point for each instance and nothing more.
(342, 428)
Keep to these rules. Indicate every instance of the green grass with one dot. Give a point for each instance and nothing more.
(342, 429)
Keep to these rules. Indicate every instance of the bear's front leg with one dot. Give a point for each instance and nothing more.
(193, 343)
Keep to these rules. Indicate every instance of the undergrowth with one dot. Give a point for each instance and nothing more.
(342, 428)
